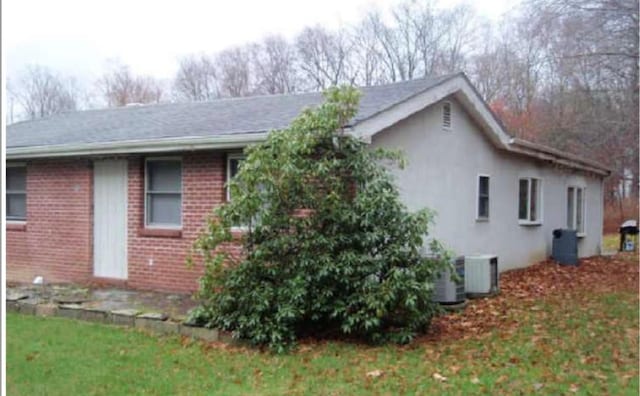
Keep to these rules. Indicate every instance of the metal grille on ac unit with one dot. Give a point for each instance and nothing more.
(481, 275)
(446, 290)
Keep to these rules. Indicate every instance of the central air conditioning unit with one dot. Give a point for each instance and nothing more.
(447, 291)
(481, 275)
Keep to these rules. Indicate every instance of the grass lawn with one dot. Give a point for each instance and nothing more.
(611, 242)
(583, 342)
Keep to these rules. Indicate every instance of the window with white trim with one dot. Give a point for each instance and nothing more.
(529, 200)
(483, 197)
(16, 192)
(576, 209)
(446, 115)
(163, 190)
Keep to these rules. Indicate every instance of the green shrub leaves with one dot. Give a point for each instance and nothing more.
(328, 247)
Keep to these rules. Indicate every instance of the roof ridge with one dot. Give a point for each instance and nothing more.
(435, 81)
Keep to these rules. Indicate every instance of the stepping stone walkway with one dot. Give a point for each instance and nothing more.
(13, 296)
(72, 299)
(153, 316)
(65, 301)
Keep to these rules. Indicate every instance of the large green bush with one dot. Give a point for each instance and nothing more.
(328, 247)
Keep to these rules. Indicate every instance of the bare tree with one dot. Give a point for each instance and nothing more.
(367, 55)
(196, 79)
(388, 48)
(41, 92)
(429, 31)
(234, 71)
(403, 39)
(510, 70)
(324, 57)
(420, 40)
(454, 31)
(120, 87)
(274, 61)
(12, 98)
(485, 67)
(569, 78)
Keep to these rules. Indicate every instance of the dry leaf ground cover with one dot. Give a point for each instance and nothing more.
(552, 330)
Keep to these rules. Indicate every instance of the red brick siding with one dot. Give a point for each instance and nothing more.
(56, 242)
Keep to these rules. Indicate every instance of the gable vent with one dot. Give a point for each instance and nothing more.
(446, 115)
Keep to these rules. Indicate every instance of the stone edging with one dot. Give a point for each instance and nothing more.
(153, 322)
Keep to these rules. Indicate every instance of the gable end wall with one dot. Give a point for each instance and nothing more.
(442, 171)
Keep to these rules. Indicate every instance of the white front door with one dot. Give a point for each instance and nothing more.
(110, 219)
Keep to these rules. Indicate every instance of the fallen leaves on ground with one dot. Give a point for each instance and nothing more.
(526, 288)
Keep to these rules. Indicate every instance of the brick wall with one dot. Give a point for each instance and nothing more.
(57, 242)
(158, 262)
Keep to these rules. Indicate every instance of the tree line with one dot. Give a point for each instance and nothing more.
(559, 72)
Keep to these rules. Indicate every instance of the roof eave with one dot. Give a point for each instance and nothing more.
(534, 149)
(136, 146)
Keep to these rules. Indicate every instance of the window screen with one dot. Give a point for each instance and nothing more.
(483, 197)
(570, 207)
(164, 192)
(523, 197)
(16, 192)
(579, 210)
(533, 200)
(575, 209)
(529, 195)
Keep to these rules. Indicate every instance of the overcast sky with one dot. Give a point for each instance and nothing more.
(78, 37)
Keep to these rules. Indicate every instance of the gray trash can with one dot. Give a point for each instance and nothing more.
(565, 247)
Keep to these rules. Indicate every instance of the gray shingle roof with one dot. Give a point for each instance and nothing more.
(202, 119)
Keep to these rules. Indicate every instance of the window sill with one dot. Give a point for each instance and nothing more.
(161, 232)
(482, 219)
(581, 234)
(238, 232)
(527, 223)
(13, 225)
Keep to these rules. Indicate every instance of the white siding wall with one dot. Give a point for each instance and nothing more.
(442, 172)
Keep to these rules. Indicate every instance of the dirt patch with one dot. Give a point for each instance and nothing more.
(525, 289)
